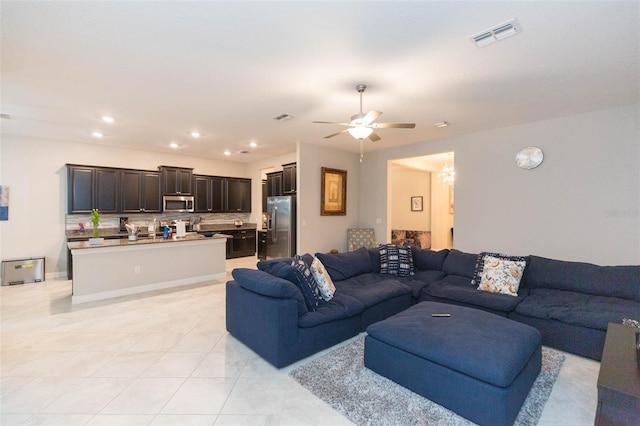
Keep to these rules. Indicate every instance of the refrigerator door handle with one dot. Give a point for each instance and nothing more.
(274, 219)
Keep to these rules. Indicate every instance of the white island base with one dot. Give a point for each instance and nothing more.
(121, 268)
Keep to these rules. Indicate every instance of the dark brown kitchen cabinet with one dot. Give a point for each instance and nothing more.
(289, 178)
(274, 184)
(92, 188)
(176, 180)
(209, 193)
(238, 195)
(141, 192)
(242, 244)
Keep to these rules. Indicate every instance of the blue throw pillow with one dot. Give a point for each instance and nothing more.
(396, 260)
(428, 260)
(296, 276)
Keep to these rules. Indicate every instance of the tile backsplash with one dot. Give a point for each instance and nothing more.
(142, 220)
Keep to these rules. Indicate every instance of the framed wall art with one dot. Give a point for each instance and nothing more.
(416, 204)
(333, 192)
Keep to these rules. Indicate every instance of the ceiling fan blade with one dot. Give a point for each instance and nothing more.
(336, 134)
(371, 116)
(393, 125)
(331, 122)
(374, 137)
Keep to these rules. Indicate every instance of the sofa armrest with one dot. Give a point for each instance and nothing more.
(263, 283)
(267, 325)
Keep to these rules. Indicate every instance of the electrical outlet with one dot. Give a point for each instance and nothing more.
(136, 269)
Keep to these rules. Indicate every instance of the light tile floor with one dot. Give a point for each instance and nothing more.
(165, 358)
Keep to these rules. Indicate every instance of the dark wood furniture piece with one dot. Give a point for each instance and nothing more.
(209, 193)
(93, 188)
(176, 180)
(289, 179)
(262, 244)
(141, 192)
(619, 378)
(274, 184)
(238, 192)
(242, 244)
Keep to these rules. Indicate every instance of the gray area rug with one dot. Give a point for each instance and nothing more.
(340, 379)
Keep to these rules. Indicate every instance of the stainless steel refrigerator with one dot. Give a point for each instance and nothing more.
(281, 226)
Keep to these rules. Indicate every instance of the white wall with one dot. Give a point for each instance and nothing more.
(441, 217)
(582, 203)
(322, 233)
(35, 171)
(407, 182)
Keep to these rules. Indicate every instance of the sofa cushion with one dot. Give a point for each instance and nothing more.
(342, 266)
(396, 260)
(614, 281)
(374, 256)
(428, 260)
(325, 284)
(266, 265)
(268, 285)
(297, 277)
(580, 309)
(458, 290)
(499, 274)
(370, 290)
(460, 263)
(420, 280)
(339, 307)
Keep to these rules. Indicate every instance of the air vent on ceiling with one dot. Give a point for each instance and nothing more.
(283, 117)
(499, 32)
(5, 116)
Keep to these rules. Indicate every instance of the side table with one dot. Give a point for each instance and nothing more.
(619, 378)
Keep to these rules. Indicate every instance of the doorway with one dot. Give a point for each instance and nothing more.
(421, 200)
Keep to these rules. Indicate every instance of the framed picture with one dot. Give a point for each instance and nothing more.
(416, 204)
(333, 194)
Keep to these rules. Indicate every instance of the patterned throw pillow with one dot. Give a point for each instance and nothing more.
(325, 284)
(477, 273)
(307, 283)
(501, 274)
(396, 260)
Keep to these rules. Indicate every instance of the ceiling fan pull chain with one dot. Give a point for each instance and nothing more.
(361, 151)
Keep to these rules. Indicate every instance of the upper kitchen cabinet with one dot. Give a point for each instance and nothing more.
(238, 193)
(176, 180)
(141, 192)
(209, 192)
(92, 188)
(289, 178)
(274, 184)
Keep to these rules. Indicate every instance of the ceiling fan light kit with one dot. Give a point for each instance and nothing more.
(361, 125)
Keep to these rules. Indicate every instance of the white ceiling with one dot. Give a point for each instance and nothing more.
(227, 68)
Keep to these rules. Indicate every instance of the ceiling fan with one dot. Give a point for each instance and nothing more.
(362, 125)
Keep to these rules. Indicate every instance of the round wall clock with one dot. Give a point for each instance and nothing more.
(529, 157)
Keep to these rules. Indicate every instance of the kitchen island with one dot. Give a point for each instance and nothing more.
(121, 267)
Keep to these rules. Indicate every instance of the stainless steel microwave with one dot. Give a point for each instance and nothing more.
(178, 203)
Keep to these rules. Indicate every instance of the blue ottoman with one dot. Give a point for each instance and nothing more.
(478, 364)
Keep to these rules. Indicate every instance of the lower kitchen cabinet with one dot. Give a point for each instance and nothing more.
(262, 244)
(242, 244)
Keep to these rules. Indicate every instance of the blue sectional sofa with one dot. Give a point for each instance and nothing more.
(570, 303)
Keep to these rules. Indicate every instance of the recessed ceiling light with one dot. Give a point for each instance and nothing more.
(174, 145)
(107, 119)
(227, 153)
(97, 134)
(441, 124)
(195, 134)
(253, 144)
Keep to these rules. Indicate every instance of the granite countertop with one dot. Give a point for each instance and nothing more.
(118, 242)
(114, 233)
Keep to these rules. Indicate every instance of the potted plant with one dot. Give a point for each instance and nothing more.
(95, 220)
